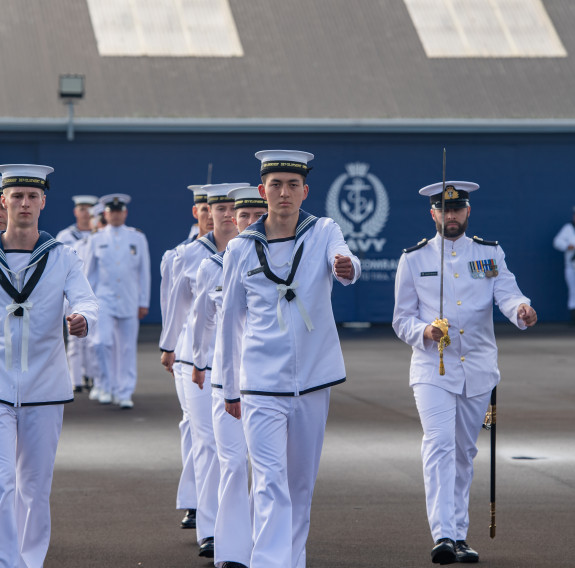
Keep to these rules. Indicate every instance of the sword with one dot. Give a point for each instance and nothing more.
(442, 323)
(491, 424)
(209, 180)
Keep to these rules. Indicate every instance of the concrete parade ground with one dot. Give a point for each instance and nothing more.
(114, 489)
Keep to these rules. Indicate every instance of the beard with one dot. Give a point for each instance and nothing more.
(453, 232)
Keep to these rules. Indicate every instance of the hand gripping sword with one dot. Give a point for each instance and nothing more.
(491, 424)
(442, 322)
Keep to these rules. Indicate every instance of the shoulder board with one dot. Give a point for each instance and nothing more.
(419, 245)
(480, 241)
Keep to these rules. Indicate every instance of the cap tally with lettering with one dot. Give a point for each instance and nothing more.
(115, 201)
(247, 197)
(25, 175)
(218, 192)
(200, 195)
(456, 193)
(294, 161)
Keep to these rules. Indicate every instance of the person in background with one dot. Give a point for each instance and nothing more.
(564, 241)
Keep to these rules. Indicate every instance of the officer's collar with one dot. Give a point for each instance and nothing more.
(257, 230)
(44, 243)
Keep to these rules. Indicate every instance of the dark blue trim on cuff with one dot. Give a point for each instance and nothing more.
(232, 400)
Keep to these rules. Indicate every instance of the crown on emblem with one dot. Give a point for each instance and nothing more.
(451, 192)
(357, 169)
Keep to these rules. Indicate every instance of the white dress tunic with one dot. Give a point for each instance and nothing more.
(289, 348)
(34, 384)
(565, 238)
(452, 406)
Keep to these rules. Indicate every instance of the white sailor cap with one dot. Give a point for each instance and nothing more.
(97, 209)
(218, 192)
(25, 175)
(294, 161)
(456, 193)
(247, 197)
(200, 195)
(115, 201)
(85, 199)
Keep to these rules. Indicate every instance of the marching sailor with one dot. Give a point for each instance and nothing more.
(452, 406)
(233, 529)
(186, 495)
(178, 337)
(37, 274)
(118, 268)
(278, 277)
(564, 241)
(77, 350)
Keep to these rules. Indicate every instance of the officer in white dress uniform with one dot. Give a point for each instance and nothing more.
(118, 268)
(186, 496)
(452, 406)
(564, 241)
(177, 335)
(37, 274)
(233, 530)
(278, 277)
(77, 350)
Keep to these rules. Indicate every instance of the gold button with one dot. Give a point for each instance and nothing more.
(453, 253)
(461, 331)
(462, 358)
(459, 302)
(456, 275)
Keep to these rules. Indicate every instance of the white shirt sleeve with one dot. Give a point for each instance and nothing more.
(203, 318)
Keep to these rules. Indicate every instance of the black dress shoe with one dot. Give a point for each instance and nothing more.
(465, 553)
(233, 565)
(207, 547)
(443, 552)
(78, 388)
(189, 521)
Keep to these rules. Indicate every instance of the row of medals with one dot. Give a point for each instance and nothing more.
(483, 268)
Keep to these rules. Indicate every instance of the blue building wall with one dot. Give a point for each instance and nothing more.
(369, 182)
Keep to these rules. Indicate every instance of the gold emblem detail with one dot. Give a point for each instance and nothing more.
(451, 192)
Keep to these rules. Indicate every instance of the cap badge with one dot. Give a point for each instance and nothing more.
(451, 192)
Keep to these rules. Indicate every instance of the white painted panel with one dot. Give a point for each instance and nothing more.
(164, 28)
(485, 28)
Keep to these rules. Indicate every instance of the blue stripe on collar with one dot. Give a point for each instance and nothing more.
(218, 258)
(257, 230)
(44, 243)
(208, 241)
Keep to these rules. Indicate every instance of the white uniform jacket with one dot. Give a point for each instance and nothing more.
(118, 268)
(276, 359)
(471, 359)
(564, 238)
(72, 236)
(180, 302)
(38, 343)
(207, 316)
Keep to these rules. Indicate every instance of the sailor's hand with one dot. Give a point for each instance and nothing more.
(77, 325)
(235, 409)
(343, 267)
(142, 313)
(167, 360)
(198, 377)
(527, 314)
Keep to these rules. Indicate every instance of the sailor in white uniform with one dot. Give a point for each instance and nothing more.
(564, 241)
(118, 268)
(278, 277)
(186, 495)
(77, 350)
(452, 406)
(37, 274)
(233, 530)
(177, 336)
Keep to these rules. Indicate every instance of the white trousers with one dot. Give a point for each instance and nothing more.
(451, 424)
(285, 438)
(77, 353)
(570, 279)
(28, 441)
(233, 533)
(186, 497)
(206, 465)
(117, 347)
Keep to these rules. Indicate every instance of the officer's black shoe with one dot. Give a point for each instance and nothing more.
(233, 565)
(207, 547)
(189, 521)
(465, 553)
(443, 552)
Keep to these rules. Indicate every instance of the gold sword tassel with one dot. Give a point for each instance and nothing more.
(443, 325)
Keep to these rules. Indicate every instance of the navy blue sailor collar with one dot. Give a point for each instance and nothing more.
(209, 241)
(218, 258)
(45, 243)
(257, 230)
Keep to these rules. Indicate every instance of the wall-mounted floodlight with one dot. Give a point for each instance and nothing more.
(71, 88)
